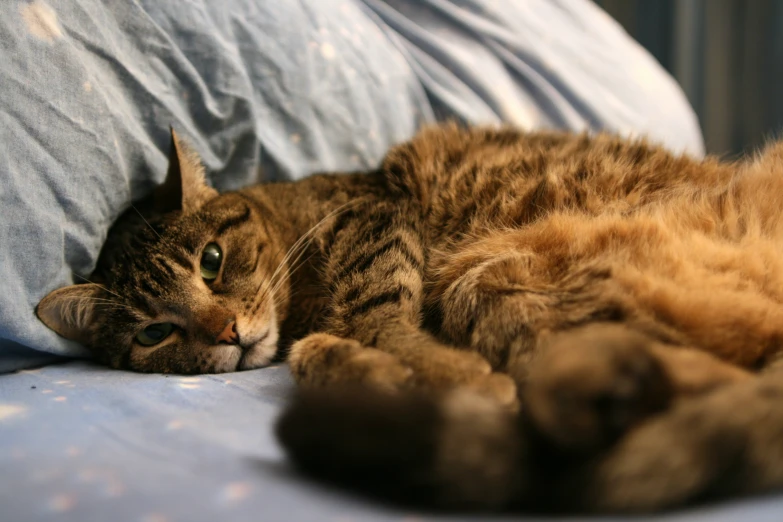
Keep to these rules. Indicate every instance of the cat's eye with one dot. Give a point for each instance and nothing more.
(154, 333)
(211, 258)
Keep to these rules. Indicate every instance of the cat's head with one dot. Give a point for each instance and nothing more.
(187, 282)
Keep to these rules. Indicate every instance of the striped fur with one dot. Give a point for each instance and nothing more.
(493, 319)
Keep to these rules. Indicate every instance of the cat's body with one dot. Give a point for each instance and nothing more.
(608, 286)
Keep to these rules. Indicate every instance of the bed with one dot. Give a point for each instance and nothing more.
(264, 90)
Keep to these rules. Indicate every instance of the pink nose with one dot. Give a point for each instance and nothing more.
(229, 334)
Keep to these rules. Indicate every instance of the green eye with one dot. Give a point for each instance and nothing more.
(154, 333)
(211, 258)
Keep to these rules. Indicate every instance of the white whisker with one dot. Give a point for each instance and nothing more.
(147, 222)
(294, 267)
(305, 240)
(98, 301)
(98, 285)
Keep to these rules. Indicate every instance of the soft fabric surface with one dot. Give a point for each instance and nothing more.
(90, 88)
(83, 443)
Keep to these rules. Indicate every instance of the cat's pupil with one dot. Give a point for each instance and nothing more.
(211, 259)
(154, 333)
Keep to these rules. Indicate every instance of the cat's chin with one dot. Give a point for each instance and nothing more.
(257, 357)
(261, 353)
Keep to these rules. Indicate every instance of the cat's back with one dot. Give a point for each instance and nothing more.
(477, 177)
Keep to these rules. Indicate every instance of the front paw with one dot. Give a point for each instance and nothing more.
(323, 360)
(498, 387)
(378, 370)
(590, 385)
(439, 368)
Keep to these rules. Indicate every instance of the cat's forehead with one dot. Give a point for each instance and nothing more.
(154, 268)
(217, 219)
(169, 247)
(211, 214)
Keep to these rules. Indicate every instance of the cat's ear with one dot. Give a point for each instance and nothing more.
(185, 187)
(70, 310)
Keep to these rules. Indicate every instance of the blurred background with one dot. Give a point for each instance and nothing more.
(726, 54)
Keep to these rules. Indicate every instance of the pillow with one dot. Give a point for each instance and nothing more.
(89, 92)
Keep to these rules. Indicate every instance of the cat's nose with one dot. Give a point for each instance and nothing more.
(229, 334)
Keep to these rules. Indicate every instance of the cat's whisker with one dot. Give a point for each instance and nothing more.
(295, 265)
(94, 299)
(99, 300)
(263, 290)
(98, 303)
(290, 272)
(147, 222)
(272, 290)
(98, 285)
(295, 293)
(304, 241)
(293, 249)
(298, 249)
(292, 267)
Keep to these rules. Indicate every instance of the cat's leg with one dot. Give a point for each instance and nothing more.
(588, 385)
(374, 318)
(584, 385)
(464, 452)
(726, 443)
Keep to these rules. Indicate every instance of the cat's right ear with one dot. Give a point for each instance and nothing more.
(70, 310)
(185, 187)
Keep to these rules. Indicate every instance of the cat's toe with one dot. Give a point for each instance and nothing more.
(498, 387)
(380, 371)
(323, 360)
(461, 366)
(592, 385)
(439, 368)
(635, 391)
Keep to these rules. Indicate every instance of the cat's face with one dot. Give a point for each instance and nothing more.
(190, 288)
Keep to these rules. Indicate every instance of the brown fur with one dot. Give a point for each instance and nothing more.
(613, 291)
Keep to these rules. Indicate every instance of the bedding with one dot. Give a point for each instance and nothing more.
(83, 443)
(90, 88)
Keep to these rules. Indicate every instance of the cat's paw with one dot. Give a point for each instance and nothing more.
(438, 367)
(590, 385)
(378, 370)
(498, 387)
(321, 360)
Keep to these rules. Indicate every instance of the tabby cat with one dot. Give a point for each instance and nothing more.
(492, 319)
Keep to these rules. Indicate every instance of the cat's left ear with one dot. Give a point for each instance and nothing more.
(185, 187)
(69, 311)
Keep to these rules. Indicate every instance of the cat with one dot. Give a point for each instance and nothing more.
(492, 319)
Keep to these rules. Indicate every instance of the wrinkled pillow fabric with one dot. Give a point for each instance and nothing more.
(90, 88)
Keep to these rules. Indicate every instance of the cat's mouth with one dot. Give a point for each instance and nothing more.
(261, 339)
(260, 353)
